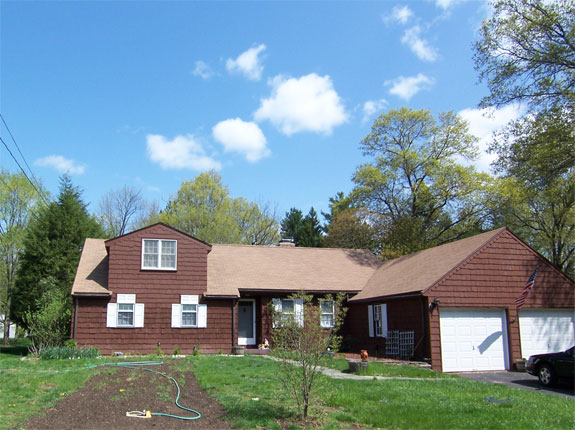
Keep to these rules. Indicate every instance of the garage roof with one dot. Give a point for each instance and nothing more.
(417, 272)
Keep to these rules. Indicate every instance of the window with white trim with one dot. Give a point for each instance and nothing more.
(125, 313)
(287, 310)
(159, 254)
(327, 316)
(377, 320)
(189, 313)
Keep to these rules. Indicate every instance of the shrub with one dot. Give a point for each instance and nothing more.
(67, 352)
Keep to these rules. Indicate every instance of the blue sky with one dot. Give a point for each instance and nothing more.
(276, 96)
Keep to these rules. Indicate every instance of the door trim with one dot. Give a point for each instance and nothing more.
(248, 340)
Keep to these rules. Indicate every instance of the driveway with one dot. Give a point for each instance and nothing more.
(520, 380)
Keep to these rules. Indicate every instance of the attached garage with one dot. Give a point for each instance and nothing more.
(546, 330)
(473, 339)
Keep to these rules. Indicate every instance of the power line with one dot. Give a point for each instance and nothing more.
(22, 155)
(24, 172)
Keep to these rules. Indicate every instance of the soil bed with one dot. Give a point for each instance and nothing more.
(103, 402)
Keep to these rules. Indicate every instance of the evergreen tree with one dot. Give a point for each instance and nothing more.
(311, 232)
(292, 225)
(53, 245)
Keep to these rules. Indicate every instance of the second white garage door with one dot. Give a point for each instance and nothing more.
(473, 339)
(546, 330)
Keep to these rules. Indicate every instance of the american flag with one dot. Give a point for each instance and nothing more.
(520, 301)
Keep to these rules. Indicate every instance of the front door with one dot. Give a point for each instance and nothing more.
(247, 322)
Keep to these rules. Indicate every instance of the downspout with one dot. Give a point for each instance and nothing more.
(234, 322)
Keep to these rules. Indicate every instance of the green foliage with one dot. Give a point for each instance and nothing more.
(305, 345)
(18, 203)
(536, 198)
(158, 351)
(49, 323)
(292, 225)
(204, 209)
(67, 352)
(414, 192)
(350, 228)
(526, 53)
(53, 245)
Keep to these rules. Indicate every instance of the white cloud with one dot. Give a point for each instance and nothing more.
(483, 123)
(401, 14)
(446, 4)
(308, 103)
(248, 63)
(405, 87)
(243, 137)
(183, 152)
(420, 47)
(202, 70)
(371, 107)
(61, 164)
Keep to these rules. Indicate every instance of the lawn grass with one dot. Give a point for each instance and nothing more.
(385, 369)
(252, 394)
(407, 404)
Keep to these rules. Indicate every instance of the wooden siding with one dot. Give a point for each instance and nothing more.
(157, 330)
(494, 278)
(157, 290)
(402, 314)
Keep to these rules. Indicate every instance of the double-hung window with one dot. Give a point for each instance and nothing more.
(159, 254)
(125, 313)
(377, 320)
(189, 313)
(327, 316)
(287, 310)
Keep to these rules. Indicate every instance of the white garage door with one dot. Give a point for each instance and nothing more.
(473, 339)
(546, 330)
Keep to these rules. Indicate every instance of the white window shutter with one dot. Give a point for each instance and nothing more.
(189, 300)
(277, 304)
(139, 315)
(202, 316)
(370, 320)
(298, 305)
(384, 320)
(176, 315)
(112, 315)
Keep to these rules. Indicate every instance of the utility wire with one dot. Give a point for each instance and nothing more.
(25, 174)
(22, 155)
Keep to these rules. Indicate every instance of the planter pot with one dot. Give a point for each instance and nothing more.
(520, 366)
(238, 350)
(357, 365)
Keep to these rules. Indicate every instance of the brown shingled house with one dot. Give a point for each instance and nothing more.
(158, 286)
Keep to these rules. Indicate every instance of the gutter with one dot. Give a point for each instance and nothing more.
(390, 297)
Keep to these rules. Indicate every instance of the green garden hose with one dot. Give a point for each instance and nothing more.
(140, 365)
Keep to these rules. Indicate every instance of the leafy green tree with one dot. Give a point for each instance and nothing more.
(53, 245)
(537, 196)
(204, 209)
(526, 53)
(311, 233)
(292, 225)
(49, 324)
(420, 194)
(351, 228)
(18, 202)
(338, 203)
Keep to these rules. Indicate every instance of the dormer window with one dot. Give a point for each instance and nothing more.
(159, 254)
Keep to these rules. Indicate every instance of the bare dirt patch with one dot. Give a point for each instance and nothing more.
(103, 402)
